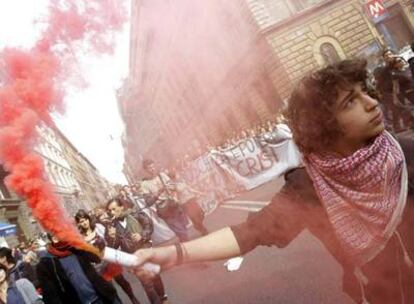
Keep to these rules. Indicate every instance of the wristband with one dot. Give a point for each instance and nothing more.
(179, 251)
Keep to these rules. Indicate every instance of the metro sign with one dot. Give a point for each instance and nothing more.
(375, 8)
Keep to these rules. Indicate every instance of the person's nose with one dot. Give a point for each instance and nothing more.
(369, 102)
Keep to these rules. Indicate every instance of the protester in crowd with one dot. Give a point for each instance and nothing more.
(18, 255)
(30, 260)
(39, 247)
(102, 216)
(125, 196)
(23, 247)
(351, 194)
(130, 233)
(158, 190)
(31, 257)
(162, 234)
(98, 212)
(404, 82)
(17, 268)
(187, 196)
(131, 230)
(390, 83)
(87, 228)
(19, 289)
(135, 189)
(66, 275)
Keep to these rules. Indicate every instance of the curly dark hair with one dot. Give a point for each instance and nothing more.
(311, 108)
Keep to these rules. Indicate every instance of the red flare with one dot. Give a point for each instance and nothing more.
(33, 88)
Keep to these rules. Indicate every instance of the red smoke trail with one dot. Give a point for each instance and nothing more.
(33, 87)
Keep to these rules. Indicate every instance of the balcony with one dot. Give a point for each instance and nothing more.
(12, 203)
(9, 208)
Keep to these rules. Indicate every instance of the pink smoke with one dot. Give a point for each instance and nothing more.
(34, 88)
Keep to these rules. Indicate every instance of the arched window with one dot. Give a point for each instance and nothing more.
(327, 50)
(329, 53)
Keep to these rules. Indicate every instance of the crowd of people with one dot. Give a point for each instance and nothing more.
(193, 166)
(262, 132)
(155, 211)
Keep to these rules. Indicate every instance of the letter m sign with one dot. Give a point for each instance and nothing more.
(375, 8)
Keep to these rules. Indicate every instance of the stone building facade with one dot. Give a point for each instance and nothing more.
(12, 212)
(311, 34)
(58, 170)
(197, 75)
(92, 189)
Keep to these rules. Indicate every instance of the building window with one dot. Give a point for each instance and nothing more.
(300, 5)
(329, 53)
(327, 50)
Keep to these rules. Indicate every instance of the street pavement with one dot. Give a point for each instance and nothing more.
(303, 272)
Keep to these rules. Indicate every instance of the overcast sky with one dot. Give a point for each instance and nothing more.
(91, 121)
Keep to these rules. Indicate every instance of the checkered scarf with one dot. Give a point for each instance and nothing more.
(363, 194)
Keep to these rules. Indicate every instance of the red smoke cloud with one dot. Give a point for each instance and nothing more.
(33, 87)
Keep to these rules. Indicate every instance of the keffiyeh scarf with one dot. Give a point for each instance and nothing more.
(364, 195)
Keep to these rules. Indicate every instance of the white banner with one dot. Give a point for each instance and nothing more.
(253, 162)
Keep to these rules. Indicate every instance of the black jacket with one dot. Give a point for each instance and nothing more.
(24, 270)
(57, 288)
(123, 238)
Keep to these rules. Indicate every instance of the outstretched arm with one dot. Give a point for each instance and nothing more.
(276, 224)
(218, 245)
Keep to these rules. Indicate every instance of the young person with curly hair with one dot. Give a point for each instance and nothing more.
(354, 192)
